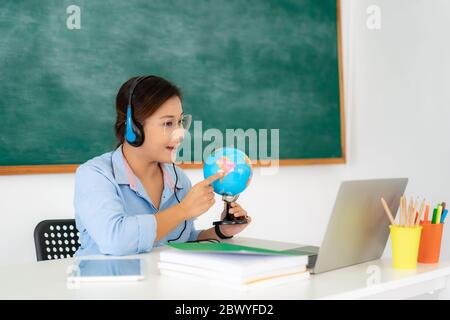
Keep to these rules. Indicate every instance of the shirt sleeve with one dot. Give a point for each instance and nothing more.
(102, 213)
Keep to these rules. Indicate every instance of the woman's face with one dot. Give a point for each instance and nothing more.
(163, 133)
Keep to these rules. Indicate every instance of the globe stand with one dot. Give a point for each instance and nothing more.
(229, 218)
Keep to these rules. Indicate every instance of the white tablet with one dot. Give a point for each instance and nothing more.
(106, 270)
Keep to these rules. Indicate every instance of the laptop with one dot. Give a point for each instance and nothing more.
(358, 228)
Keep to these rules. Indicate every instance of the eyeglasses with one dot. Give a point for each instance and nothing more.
(170, 125)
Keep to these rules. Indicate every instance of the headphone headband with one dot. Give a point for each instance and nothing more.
(133, 87)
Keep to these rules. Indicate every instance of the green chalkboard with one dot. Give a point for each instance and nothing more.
(261, 64)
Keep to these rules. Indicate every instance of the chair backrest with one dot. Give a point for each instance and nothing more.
(56, 239)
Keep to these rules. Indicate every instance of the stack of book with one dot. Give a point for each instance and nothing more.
(240, 271)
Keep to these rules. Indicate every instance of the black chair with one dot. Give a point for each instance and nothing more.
(56, 239)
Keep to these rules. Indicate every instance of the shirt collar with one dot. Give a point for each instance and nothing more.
(118, 164)
(124, 175)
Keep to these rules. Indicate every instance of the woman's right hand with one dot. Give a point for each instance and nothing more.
(200, 198)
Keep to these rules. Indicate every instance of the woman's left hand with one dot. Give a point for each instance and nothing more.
(233, 229)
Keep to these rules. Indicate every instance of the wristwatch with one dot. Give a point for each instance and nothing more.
(220, 234)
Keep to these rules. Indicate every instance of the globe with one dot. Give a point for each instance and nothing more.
(237, 169)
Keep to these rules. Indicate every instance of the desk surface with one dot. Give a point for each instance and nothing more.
(375, 279)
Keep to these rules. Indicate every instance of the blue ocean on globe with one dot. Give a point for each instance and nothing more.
(237, 169)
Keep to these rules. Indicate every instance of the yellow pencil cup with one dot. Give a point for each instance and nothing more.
(405, 246)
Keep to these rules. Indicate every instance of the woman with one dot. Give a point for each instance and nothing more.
(134, 198)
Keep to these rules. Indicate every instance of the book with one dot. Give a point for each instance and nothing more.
(224, 282)
(234, 270)
(231, 276)
(232, 263)
(223, 247)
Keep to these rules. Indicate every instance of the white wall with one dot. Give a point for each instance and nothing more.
(397, 121)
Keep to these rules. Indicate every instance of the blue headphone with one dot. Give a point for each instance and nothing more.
(134, 133)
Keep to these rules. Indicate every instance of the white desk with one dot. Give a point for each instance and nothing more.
(47, 280)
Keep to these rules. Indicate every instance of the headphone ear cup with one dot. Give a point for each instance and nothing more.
(139, 132)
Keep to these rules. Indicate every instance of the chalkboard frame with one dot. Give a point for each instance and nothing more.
(70, 168)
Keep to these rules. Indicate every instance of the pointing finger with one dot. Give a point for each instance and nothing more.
(212, 178)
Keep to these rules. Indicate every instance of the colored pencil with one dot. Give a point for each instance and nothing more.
(427, 210)
(414, 211)
(444, 215)
(410, 211)
(402, 210)
(433, 219)
(388, 211)
(419, 216)
(438, 215)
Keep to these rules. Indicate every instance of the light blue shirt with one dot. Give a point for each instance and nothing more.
(114, 213)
